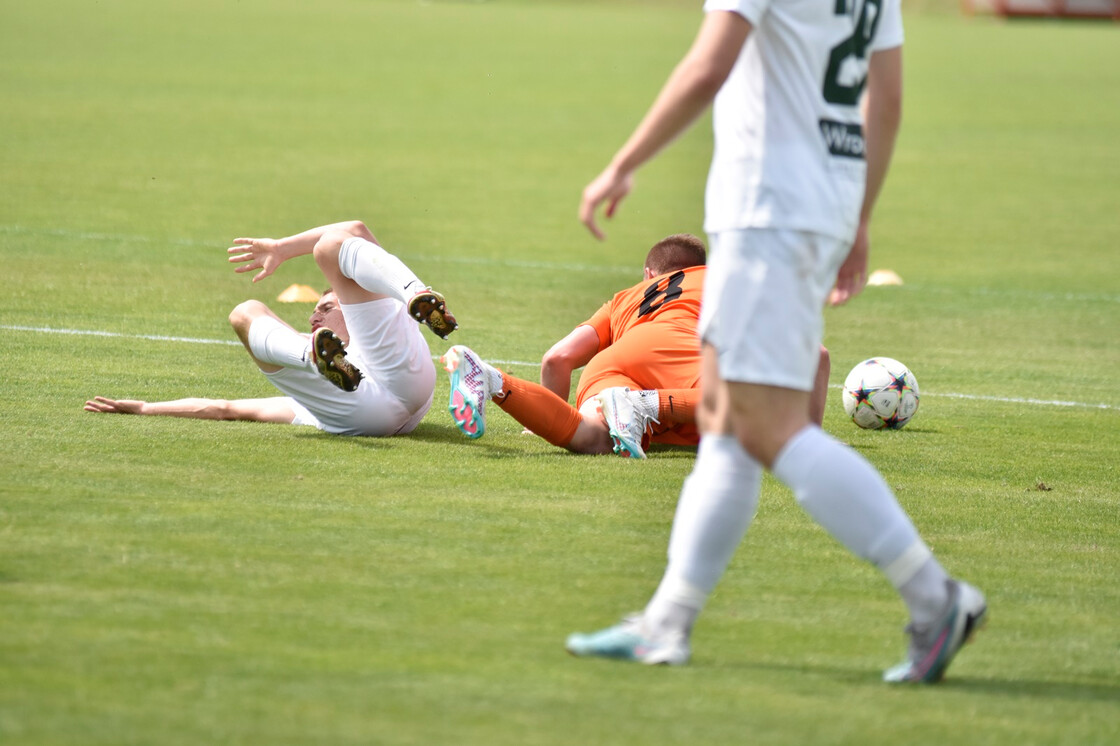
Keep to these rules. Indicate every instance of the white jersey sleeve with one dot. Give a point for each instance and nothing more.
(752, 10)
(789, 149)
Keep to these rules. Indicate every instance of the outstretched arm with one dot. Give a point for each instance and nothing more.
(266, 254)
(571, 352)
(690, 89)
(274, 409)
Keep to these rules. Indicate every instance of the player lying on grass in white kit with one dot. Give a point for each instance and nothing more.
(365, 369)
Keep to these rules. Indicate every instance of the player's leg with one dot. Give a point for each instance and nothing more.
(717, 503)
(387, 346)
(849, 498)
(475, 382)
(360, 270)
(548, 416)
(678, 406)
(271, 342)
(350, 291)
(628, 413)
(622, 381)
(771, 379)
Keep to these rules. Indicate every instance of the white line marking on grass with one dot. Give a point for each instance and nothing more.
(195, 340)
(1013, 399)
(190, 340)
(459, 255)
(1019, 400)
(94, 333)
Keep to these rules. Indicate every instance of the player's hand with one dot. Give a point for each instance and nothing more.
(852, 277)
(256, 254)
(611, 187)
(114, 406)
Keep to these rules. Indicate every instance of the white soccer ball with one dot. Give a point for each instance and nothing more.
(881, 392)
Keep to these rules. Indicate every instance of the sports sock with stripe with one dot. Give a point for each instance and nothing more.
(849, 499)
(538, 409)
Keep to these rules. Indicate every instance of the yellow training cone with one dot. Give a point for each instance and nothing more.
(884, 277)
(298, 294)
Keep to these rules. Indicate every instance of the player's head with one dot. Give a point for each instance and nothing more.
(328, 313)
(675, 252)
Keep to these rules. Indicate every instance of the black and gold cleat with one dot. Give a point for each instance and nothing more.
(329, 355)
(428, 307)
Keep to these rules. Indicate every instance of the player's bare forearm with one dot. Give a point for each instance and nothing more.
(689, 90)
(264, 255)
(303, 243)
(882, 112)
(572, 352)
(272, 409)
(202, 409)
(557, 378)
(687, 93)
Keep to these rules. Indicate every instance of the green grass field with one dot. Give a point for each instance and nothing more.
(183, 582)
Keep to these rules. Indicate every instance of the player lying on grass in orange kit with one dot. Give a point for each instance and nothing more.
(641, 380)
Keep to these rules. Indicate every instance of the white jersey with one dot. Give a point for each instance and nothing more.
(789, 150)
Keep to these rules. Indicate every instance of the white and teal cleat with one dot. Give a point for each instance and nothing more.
(628, 642)
(933, 647)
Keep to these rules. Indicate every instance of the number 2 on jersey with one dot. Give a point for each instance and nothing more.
(840, 87)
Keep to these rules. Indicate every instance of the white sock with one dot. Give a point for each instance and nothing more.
(494, 380)
(848, 498)
(648, 403)
(277, 344)
(925, 593)
(717, 503)
(376, 270)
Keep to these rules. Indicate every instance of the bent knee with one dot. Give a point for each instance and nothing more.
(244, 313)
(327, 248)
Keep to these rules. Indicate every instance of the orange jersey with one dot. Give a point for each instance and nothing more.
(648, 340)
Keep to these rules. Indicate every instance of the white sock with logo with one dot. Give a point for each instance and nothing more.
(275, 343)
(376, 270)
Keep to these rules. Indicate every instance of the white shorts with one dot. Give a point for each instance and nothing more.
(396, 392)
(764, 293)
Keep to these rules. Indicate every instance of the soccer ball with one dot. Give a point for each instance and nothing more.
(880, 393)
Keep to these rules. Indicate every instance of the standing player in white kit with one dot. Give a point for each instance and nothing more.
(794, 178)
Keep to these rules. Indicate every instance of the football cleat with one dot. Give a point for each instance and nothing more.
(932, 647)
(329, 355)
(629, 642)
(428, 307)
(626, 422)
(470, 390)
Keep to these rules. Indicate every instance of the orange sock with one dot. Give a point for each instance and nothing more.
(538, 409)
(678, 405)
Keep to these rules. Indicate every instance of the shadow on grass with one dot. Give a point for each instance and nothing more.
(426, 432)
(1017, 688)
(439, 434)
